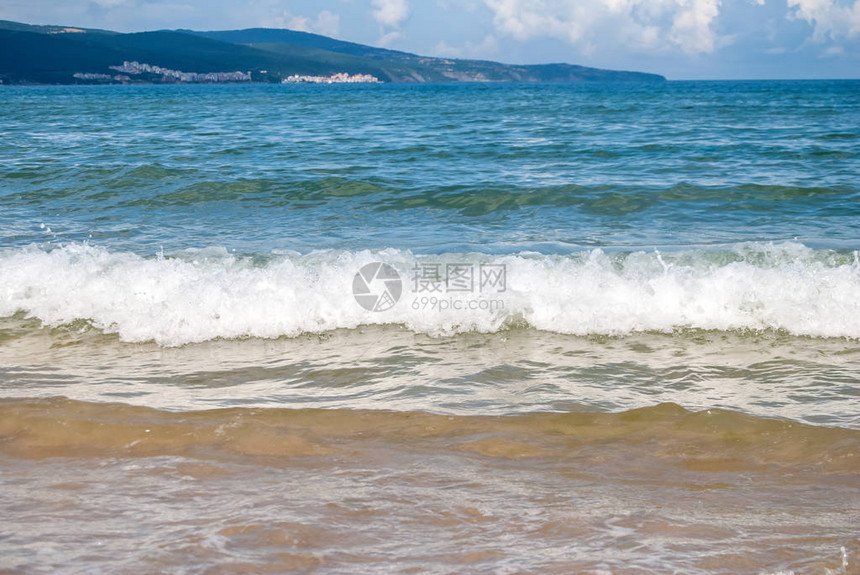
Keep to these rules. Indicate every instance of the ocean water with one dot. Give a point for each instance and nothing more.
(434, 328)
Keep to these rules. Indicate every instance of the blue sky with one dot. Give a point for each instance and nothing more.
(682, 39)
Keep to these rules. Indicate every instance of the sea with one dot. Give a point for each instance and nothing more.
(467, 328)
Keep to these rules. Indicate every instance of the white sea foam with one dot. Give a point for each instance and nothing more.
(204, 294)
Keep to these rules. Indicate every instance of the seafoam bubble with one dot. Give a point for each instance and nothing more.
(199, 295)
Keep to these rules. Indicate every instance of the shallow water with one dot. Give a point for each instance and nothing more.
(351, 489)
(809, 380)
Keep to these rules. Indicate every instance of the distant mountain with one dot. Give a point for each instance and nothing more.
(306, 39)
(19, 27)
(67, 55)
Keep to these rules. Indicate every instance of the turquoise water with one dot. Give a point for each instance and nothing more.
(454, 328)
(433, 169)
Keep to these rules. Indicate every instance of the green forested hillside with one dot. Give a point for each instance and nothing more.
(53, 54)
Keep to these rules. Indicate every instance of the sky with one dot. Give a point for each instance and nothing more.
(681, 39)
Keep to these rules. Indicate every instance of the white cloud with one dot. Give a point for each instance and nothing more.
(390, 13)
(829, 18)
(489, 45)
(654, 25)
(326, 23)
(297, 23)
(691, 26)
(386, 39)
(484, 49)
(443, 50)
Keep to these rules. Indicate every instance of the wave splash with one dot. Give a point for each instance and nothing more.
(198, 295)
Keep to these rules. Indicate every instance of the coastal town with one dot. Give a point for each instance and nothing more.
(137, 72)
(340, 78)
(136, 69)
(89, 77)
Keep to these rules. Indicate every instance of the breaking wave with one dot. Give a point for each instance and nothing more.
(198, 295)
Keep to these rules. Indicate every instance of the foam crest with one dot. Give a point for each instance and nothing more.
(199, 295)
